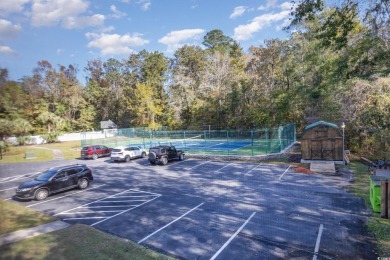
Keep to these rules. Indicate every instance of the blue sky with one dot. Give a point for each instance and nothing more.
(76, 31)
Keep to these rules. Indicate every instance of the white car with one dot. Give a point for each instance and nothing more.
(126, 153)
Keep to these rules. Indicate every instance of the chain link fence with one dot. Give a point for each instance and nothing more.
(212, 142)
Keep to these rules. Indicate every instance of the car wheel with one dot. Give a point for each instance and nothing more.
(164, 160)
(143, 155)
(83, 183)
(127, 158)
(181, 157)
(41, 194)
(94, 156)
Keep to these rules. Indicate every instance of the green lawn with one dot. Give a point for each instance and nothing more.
(16, 154)
(74, 242)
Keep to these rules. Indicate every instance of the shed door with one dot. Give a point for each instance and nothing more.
(322, 150)
(316, 150)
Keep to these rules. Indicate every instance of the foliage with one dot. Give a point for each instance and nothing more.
(51, 137)
(333, 67)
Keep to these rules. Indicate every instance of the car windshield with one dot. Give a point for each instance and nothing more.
(117, 150)
(45, 176)
(85, 148)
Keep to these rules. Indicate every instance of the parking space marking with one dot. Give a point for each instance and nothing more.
(197, 165)
(18, 177)
(13, 188)
(280, 178)
(318, 242)
(223, 167)
(253, 169)
(32, 205)
(232, 237)
(127, 204)
(155, 232)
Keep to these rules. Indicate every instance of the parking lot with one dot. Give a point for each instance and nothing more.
(208, 209)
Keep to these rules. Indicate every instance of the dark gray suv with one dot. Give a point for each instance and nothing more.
(55, 180)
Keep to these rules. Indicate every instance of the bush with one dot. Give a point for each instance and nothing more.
(22, 140)
(51, 137)
(3, 148)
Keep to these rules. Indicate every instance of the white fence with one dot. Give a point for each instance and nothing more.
(37, 139)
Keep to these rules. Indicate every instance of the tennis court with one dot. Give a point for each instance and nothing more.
(211, 142)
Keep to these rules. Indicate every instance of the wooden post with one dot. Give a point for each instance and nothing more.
(385, 199)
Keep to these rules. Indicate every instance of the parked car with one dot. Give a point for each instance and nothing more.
(55, 180)
(163, 154)
(126, 153)
(95, 151)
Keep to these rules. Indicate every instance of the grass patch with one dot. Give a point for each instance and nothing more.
(77, 242)
(74, 242)
(361, 188)
(16, 154)
(14, 217)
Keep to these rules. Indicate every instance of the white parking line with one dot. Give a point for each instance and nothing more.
(155, 232)
(63, 196)
(318, 242)
(125, 208)
(9, 189)
(123, 212)
(198, 165)
(18, 177)
(232, 237)
(252, 169)
(223, 167)
(284, 172)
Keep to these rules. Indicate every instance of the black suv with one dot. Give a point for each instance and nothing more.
(55, 180)
(163, 154)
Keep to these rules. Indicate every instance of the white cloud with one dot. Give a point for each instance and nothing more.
(9, 30)
(245, 32)
(238, 11)
(145, 4)
(286, 6)
(177, 39)
(68, 13)
(7, 50)
(115, 44)
(270, 4)
(12, 6)
(83, 21)
(117, 14)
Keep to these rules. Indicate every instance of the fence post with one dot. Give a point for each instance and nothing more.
(252, 142)
(385, 199)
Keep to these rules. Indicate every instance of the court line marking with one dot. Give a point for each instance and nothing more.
(232, 237)
(64, 196)
(253, 169)
(155, 232)
(280, 178)
(318, 242)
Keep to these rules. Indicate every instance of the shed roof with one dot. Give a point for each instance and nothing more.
(320, 123)
(107, 124)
